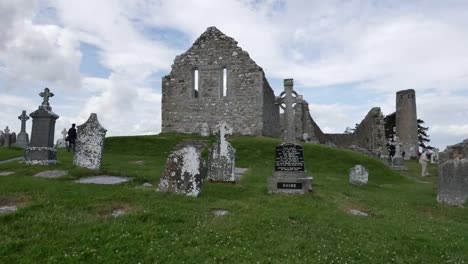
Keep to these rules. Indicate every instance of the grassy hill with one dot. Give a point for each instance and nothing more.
(65, 222)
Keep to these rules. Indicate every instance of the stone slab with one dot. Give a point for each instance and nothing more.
(104, 179)
(239, 172)
(358, 213)
(6, 173)
(8, 209)
(220, 212)
(51, 174)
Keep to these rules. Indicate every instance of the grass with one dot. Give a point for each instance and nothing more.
(64, 222)
(11, 152)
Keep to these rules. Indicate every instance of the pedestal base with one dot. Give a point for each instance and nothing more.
(289, 182)
(40, 156)
(22, 140)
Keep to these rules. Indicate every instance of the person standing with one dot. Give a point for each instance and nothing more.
(423, 161)
(71, 137)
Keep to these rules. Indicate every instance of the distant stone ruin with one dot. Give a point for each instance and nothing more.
(406, 122)
(215, 80)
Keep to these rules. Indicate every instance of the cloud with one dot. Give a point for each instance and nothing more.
(370, 48)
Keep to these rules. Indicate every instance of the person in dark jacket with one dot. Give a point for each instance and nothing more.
(71, 137)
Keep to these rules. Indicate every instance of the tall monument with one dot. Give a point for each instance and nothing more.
(406, 122)
(41, 148)
(289, 175)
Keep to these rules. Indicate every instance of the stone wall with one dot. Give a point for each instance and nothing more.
(248, 105)
(406, 122)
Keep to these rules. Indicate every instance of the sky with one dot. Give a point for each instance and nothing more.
(108, 57)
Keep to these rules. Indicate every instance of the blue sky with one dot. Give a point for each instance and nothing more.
(346, 57)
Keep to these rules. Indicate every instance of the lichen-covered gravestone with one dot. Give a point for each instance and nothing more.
(358, 175)
(221, 162)
(453, 175)
(184, 172)
(90, 144)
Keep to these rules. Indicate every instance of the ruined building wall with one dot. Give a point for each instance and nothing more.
(406, 122)
(306, 124)
(248, 105)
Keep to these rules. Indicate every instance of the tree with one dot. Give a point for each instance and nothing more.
(349, 130)
(423, 137)
(389, 124)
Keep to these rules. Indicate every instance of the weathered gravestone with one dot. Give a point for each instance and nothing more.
(2, 138)
(62, 142)
(13, 138)
(6, 137)
(398, 162)
(184, 171)
(204, 130)
(22, 140)
(41, 148)
(453, 175)
(221, 162)
(289, 175)
(90, 144)
(358, 175)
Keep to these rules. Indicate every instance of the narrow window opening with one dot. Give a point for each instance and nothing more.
(195, 83)
(224, 82)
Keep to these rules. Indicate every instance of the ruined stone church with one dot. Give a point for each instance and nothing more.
(215, 80)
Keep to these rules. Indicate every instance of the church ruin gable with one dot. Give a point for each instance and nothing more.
(215, 80)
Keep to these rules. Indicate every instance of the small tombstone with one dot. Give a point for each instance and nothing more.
(22, 139)
(358, 175)
(221, 162)
(306, 137)
(453, 182)
(90, 144)
(62, 142)
(435, 156)
(12, 138)
(7, 138)
(2, 138)
(204, 130)
(183, 172)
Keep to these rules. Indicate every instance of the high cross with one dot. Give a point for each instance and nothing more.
(23, 117)
(286, 100)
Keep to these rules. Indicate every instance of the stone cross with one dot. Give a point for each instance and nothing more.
(23, 117)
(64, 133)
(223, 130)
(7, 131)
(46, 95)
(286, 101)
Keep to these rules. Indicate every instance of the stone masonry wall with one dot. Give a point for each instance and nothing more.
(249, 102)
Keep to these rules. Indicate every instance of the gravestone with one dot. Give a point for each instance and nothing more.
(358, 175)
(453, 182)
(398, 162)
(221, 162)
(61, 142)
(41, 147)
(2, 138)
(6, 137)
(306, 137)
(22, 139)
(289, 175)
(435, 156)
(204, 130)
(184, 172)
(90, 144)
(12, 138)
(453, 174)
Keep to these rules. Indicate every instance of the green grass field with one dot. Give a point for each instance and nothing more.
(60, 221)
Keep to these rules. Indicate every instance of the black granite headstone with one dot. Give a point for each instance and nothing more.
(289, 157)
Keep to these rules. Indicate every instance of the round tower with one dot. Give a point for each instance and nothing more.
(406, 122)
